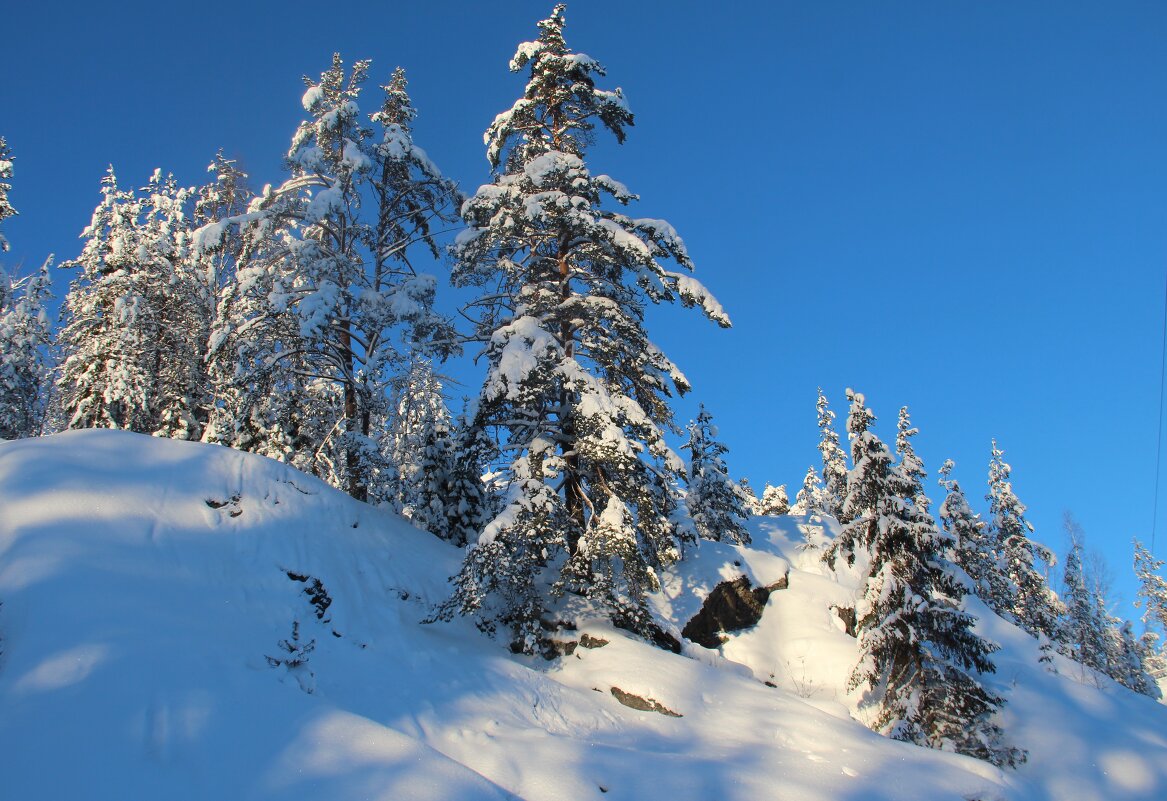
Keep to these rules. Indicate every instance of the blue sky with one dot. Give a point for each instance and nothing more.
(957, 206)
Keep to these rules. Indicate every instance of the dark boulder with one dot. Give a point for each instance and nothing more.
(731, 606)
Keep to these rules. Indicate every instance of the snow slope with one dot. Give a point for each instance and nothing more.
(146, 590)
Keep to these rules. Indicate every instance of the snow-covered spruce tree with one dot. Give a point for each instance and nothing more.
(135, 317)
(6, 209)
(713, 502)
(1152, 599)
(919, 657)
(224, 196)
(910, 465)
(25, 333)
(1082, 635)
(834, 457)
(1152, 592)
(972, 548)
(575, 389)
(467, 503)
(774, 501)
(811, 497)
(25, 339)
(1019, 590)
(326, 285)
(416, 434)
(1129, 665)
(867, 492)
(748, 496)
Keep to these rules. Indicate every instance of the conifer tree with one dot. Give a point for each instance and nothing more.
(910, 465)
(774, 501)
(328, 302)
(224, 196)
(136, 316)
(1152, 599)
(811, 497)
(1130, 665)
(1083, 634)
(468, 504)
(6, 209)
(1019, 591)
(972, 548)
(867, 496)
(575, 388)
(748, 496)
(25, 338)
(25, 334)
(714, 504)
(416, 447)
(834, 462)
(1152, 592)
(919, 657)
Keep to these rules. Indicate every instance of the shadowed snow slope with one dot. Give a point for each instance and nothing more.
(183, 621)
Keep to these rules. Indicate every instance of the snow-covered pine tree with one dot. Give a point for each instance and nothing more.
(1129, 665)
(834, 460)
(811, 496)
(867, 485)
(910, 465)
(25, 333)
(184, 297)
(712, 499)
(135, 317)
(972, 548)
(1082, 634)
(412, 446)
(1152, 599)
(6, 208)
(919, 657)
(224, 196)
(1152, 592)
(774, 501)
(327, 282)
(467, 502)
(1020, 591)
(25, 339)
(748, 496)
(577, 391)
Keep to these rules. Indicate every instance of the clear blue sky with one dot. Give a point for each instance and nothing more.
(958, 206)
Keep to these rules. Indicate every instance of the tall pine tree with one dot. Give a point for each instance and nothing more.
(328, 303)
(577, 392)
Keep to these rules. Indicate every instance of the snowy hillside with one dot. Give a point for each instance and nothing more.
(186, 621)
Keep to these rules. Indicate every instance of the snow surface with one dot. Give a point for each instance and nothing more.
(145, 593)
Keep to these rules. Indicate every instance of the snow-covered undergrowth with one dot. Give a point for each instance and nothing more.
(185, 621)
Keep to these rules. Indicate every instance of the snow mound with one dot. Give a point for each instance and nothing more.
(184, 621)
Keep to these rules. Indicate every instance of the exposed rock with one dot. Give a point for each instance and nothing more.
(561, 648)
(642, 704)
(588, 641)
(732, 606)
(654, 634)
(847, 615)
